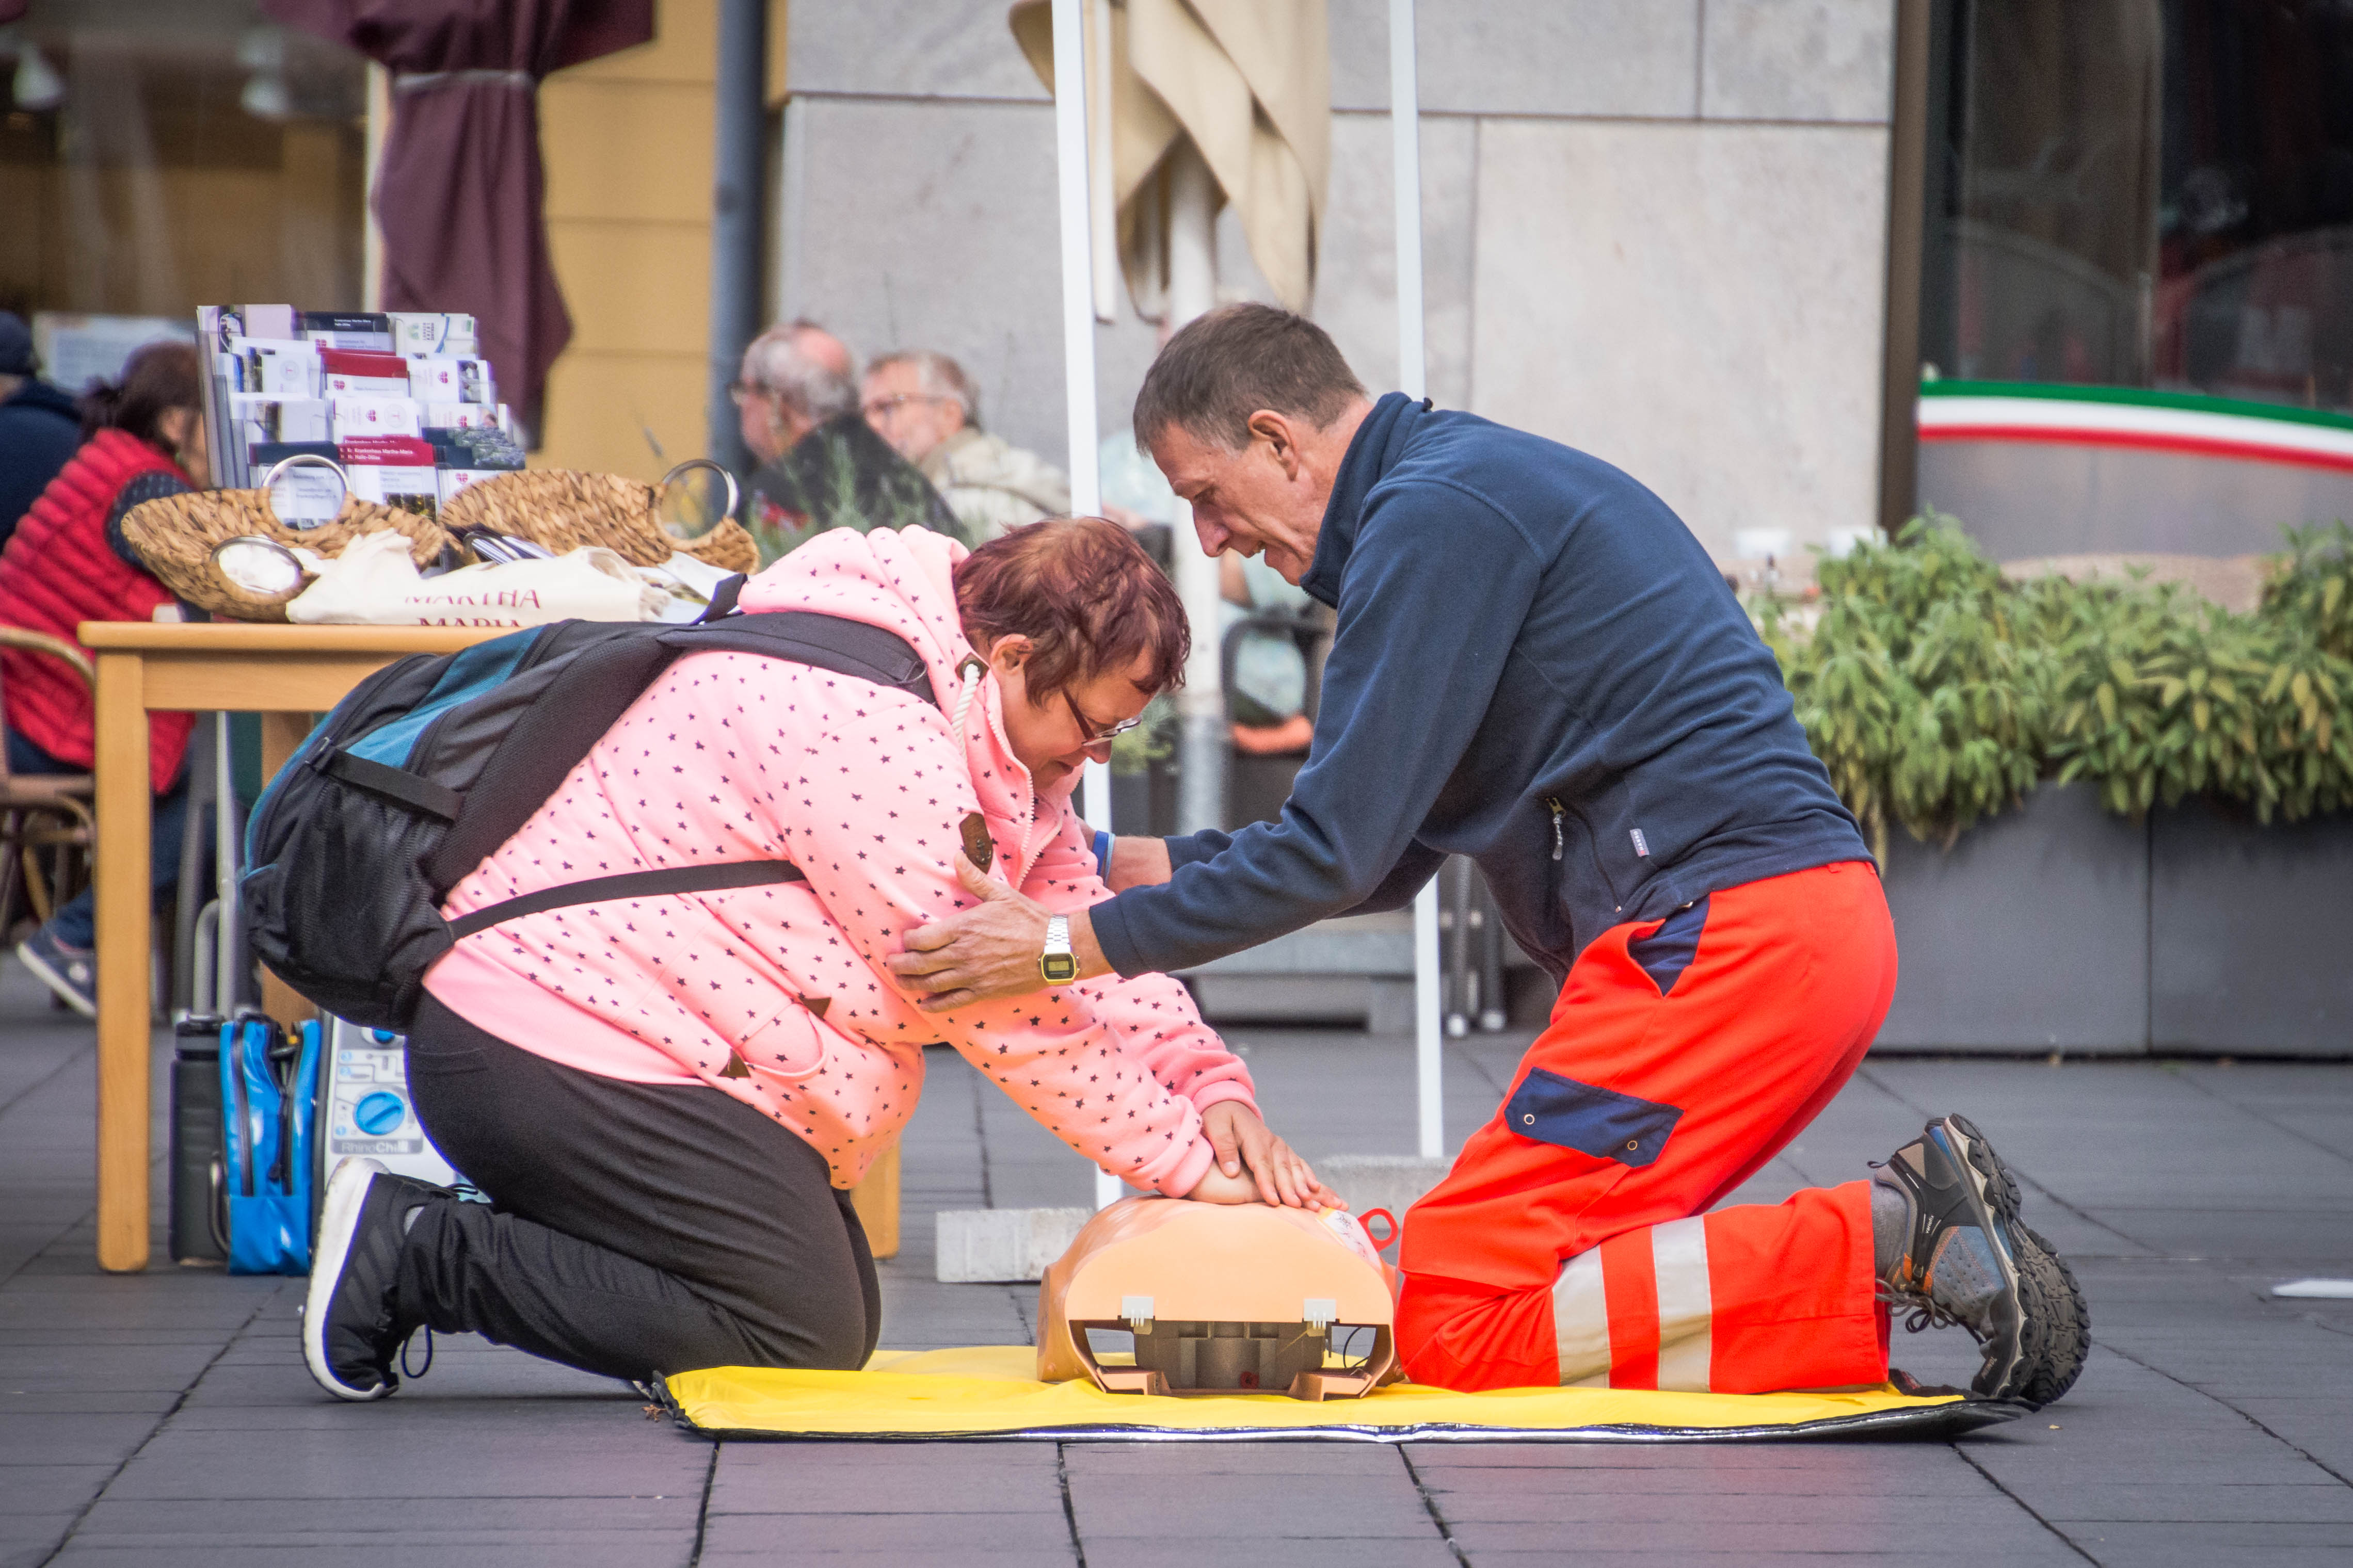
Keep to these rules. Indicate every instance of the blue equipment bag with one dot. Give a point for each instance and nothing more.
(270, 1089)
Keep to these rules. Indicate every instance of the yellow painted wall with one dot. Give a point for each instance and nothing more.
(626, 141)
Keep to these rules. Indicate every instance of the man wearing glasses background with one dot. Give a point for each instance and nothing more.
(820, 465)
(925, 405)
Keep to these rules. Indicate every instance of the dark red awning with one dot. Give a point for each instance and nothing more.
(460, 195)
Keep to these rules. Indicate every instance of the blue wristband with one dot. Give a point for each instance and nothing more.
(1103, 854)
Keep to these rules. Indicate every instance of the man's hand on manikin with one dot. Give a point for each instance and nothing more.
(991, 950)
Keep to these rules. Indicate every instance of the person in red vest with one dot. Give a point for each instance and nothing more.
(69, 563)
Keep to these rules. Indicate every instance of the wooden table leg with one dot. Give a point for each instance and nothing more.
(876, 1199)
(281, 735)
(124, 803)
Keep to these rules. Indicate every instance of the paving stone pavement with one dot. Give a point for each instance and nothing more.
(164, 1418)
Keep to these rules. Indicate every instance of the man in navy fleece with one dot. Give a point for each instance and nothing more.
(1538, 666)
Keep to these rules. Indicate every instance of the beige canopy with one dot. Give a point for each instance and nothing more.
(1249, 83)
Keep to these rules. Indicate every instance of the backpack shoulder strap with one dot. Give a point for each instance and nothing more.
(821, 641)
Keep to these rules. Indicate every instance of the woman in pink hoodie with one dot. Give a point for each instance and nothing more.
(667, 1099)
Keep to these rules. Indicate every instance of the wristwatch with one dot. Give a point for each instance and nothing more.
(1058, 965)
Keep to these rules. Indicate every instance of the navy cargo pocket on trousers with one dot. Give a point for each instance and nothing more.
(1666, 952)
(1601, 1123)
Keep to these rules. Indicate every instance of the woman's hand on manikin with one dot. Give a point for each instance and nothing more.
(1254, 1165)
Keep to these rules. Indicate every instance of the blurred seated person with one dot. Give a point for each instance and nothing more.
(40, 426)
(67, 563)
(1268, 700)
(925, 405)
(1269, 695)
(821, 467)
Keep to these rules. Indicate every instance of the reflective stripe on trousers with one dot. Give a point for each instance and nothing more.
(1659, 1333)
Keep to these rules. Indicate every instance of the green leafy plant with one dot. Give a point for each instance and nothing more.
(1938, 693)
(1915, 686)
(2311, 586)
(1137, 750)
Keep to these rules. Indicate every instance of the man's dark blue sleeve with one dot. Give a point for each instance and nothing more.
(1437, 587)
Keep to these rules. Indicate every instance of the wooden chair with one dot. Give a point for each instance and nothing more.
(44, 815)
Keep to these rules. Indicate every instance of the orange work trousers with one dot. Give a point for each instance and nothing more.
(1571, 1244)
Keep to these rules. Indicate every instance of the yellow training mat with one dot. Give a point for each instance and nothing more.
(989, 1392)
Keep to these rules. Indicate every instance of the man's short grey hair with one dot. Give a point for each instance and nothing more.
(938, 375)
(810, 388)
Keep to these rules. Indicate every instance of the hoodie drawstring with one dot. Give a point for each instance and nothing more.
(970, 670)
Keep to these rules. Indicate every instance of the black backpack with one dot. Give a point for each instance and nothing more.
(432, 763)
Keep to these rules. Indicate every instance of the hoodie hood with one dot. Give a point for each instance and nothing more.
(903, 581)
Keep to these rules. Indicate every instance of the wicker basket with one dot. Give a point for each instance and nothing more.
(563, 509)
(175, 537)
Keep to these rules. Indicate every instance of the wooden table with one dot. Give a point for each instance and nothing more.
(285, 673)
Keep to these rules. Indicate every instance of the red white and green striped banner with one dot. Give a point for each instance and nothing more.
(2117, 416)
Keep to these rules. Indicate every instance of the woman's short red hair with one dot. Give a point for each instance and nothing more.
(1085, 593)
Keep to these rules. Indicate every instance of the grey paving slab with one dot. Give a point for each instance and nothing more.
(1230, 1509)
(924, 1483)
(944, 1535)
(609, 1552)
(2277, 1541)
(1998, 1537)
(414, 1460)
(1271, 1546)
(980, 1556)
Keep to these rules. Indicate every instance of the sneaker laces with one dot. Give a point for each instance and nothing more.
(1925, 1313)
(409, 1339)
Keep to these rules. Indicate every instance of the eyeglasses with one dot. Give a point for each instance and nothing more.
(1093, 734)
(745, 392)
(876, 407)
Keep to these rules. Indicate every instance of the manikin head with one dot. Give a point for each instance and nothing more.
(1249, 412)
(796, 376)
(915, 400)
(1080, 628)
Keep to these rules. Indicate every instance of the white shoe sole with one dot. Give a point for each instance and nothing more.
(56, 982)
(339, 1216)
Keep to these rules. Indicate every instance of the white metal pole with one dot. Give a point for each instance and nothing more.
(1079, 345)
(1071, 148)
(1202, 705)
(227, 854)
(1405, 142)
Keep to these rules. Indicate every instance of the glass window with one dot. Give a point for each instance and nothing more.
(2143, 193)
(160, 154)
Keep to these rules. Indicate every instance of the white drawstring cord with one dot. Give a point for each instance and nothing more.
(970, 670)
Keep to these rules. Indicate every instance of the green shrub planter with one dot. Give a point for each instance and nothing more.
(2112, 817)
(2250, 934)
(2063, 927)
(2029, 935)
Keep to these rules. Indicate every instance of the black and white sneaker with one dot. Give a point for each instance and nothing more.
(351, 1329)
(70, 973)
(1961, 1263)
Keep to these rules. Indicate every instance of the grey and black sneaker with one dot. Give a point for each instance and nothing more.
(2067, 1337)
(1961, 1263)
(70, 973)
(351, 1329)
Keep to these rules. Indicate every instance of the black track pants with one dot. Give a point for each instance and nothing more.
(633, 1228)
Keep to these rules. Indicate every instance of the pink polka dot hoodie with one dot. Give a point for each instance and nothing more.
(778, 995)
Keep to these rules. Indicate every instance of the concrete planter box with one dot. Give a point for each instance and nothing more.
(2250, 933)
(2029, 935)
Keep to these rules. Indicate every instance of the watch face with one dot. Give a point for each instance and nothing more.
(1059, 967)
